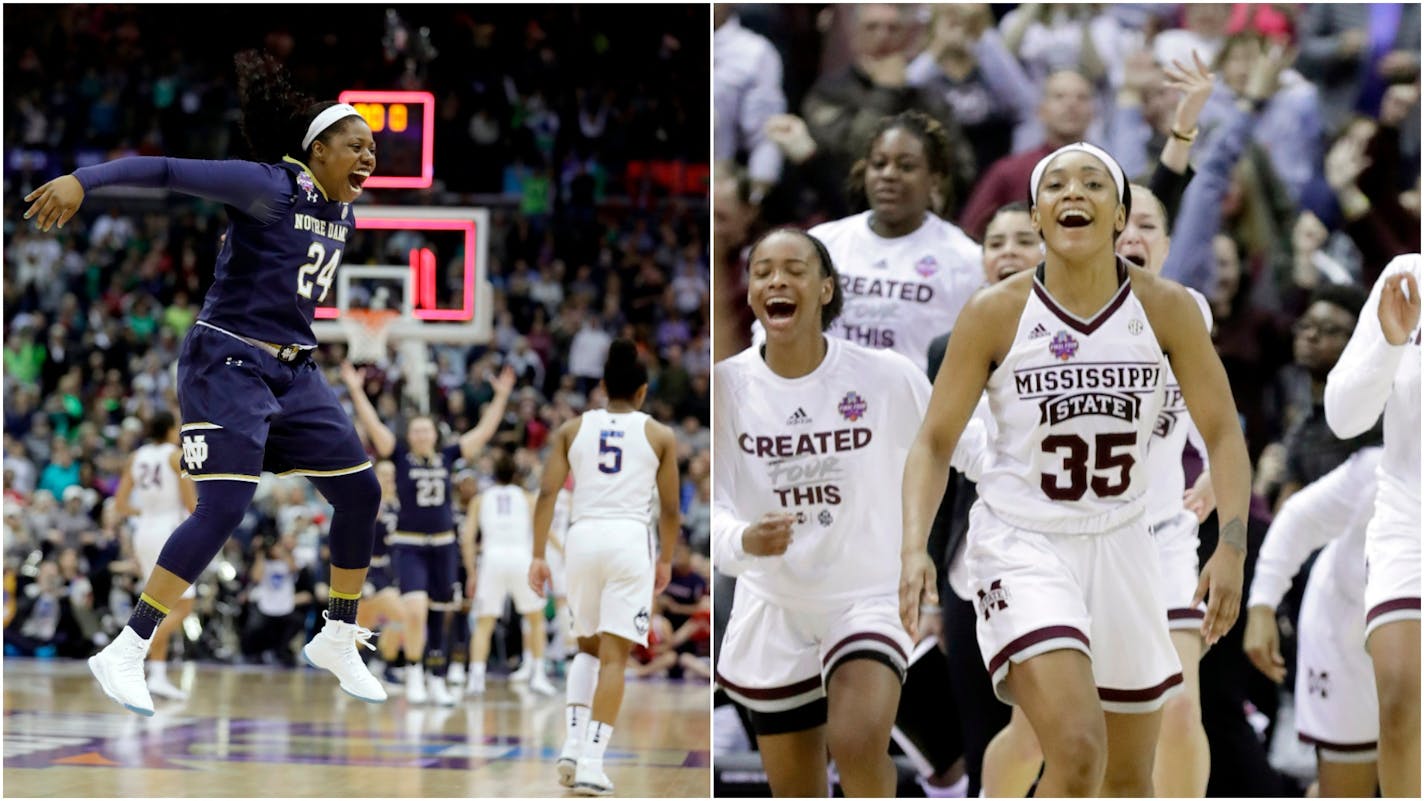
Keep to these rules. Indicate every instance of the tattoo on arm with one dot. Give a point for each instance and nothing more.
(1234, 534)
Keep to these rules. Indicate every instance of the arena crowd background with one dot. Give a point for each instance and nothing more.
(572, 125)
(1343, 122)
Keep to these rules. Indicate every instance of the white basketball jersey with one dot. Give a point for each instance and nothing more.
(505, 522)
(901, 293)
(615, 468)
(1166, 480)
(1373, 376)
(828, 447)
(1076, 402)
(155, 484)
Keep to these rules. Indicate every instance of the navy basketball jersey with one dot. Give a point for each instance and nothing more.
(270, 275)
(385, 526)
(423, 487)
(282, 247)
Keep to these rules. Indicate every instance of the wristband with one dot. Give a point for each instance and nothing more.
(1188, 137)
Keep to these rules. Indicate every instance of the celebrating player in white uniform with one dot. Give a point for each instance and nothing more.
(905, 272)
(1336, 708)
(503, 516)
(811, 434)
(154, 491)
(621, 459)
(1183, 762)
(1073, 624)
(1379, 372)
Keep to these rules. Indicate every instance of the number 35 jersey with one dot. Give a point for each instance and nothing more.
(614, 466)
(1075, 401)
(829, 448)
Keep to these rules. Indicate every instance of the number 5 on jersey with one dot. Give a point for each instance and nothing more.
(323, 272)
(607, 452)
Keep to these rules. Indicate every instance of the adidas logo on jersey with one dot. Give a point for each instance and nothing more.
(798, 418)
(1038, 331)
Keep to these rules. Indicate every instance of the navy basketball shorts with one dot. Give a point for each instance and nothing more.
(379, 575)
(428, 566)
(245, 412)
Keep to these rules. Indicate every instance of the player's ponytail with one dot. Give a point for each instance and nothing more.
(275, 115)
(623, 372)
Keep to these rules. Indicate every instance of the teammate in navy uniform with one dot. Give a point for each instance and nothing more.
(250, 396)
(423, 546)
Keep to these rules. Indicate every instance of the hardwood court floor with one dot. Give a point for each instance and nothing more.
(257, 731)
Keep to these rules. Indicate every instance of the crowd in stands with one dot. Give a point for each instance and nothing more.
(95, 313)
(1294, 206)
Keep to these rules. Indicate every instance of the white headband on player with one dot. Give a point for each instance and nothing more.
(1082, 147)
(324, 121)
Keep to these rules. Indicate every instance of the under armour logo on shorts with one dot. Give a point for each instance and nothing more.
(195, 451)
(996, 598)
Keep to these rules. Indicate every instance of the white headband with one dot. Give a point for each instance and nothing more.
(1083, 147)
(324, 121)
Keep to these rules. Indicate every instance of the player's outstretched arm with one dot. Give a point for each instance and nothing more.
(381, 437)
(467, 543)
(125, 490)
(473, 440)
(1182, 334)
(556, 469)
(669, 515)
(254, 189)
(1360, 382)
(957, 388)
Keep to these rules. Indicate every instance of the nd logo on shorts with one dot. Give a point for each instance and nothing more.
(195, 451)
(996, 598)
(640, 620)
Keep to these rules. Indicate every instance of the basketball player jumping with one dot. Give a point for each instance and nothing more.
(1073, 619)
(503, 514)
(249, 393)
(423, 546)
(619, 458)
(1379, 373)
(153, 490)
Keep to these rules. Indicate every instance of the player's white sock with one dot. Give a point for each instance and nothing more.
(582, 679)
(595, 740)
(538, 663)
(158, 670)
(477, 671)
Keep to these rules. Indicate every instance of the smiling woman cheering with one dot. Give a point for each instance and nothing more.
(250, 395)
(1073, 623)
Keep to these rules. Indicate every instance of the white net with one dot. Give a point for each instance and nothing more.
(367, 332)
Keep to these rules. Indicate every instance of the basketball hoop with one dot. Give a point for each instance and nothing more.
(367, 331)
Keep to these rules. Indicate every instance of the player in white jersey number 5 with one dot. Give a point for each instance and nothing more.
(811, 434)
(154, 491)
(620, 459)
(1072, 623)
(1379, 373)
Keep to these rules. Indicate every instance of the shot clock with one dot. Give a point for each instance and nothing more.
(403, 125)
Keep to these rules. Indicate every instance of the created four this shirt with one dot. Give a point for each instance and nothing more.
(901, 293)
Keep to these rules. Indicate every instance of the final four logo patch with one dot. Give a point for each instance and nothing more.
(1064, 346)
(927, 266)
(307, 185)
(852, 407)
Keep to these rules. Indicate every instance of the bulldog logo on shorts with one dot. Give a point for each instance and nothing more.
(640, 621)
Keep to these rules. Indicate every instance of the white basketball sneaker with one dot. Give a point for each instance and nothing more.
(119, 669)
(415, 685)
(163, 688)
(539, 683)
(475, 684)
(590, 779)
(440, 693)
(334, 649)
(457, 673)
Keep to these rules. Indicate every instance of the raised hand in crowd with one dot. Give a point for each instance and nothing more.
(789, 132)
